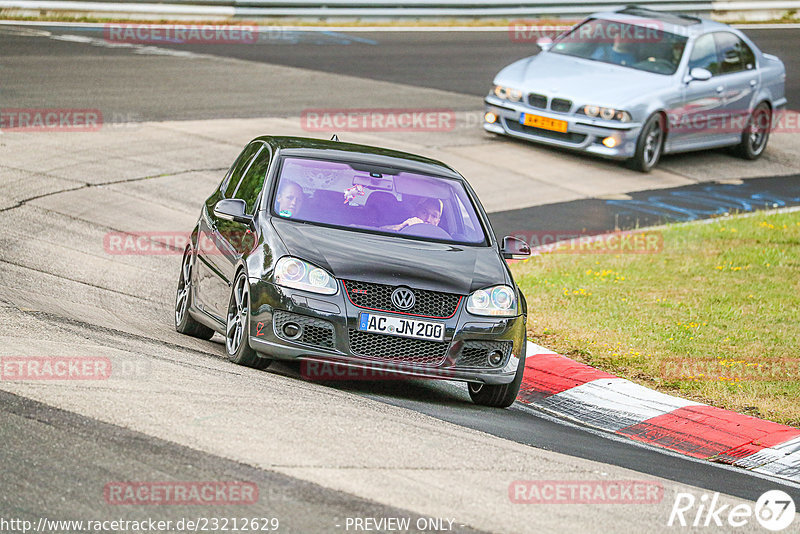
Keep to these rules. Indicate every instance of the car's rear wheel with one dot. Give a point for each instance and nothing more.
(498, 395)
(650, 144)
(184, 322)
(237, 327)
(756, 133)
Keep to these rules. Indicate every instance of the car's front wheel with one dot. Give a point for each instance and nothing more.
(756, 133)
(650, 144)
(237, 327)
(184, 322)
(498, 395)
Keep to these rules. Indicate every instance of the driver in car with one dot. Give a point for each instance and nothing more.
(427, 211)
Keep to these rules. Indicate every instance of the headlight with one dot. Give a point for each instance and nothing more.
(498, 300)
(297, 274)
(608, 114)
(507, 93)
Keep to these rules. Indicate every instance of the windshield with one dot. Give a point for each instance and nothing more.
(376, 199)
(642, 47)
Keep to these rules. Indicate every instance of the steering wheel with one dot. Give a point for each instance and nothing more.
(426, 230)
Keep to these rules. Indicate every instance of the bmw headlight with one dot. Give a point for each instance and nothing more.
(498, 301)
(608, 114)
(297, 274)
(507, 93)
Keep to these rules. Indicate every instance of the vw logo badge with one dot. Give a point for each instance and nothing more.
(403, 298)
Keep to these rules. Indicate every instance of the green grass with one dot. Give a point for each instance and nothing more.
(722, 296)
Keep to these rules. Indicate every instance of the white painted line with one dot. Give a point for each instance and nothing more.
(613, 403)
(780, 460)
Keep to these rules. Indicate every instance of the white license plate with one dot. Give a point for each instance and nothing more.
(400, 326)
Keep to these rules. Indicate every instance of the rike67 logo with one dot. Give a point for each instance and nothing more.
(774, 510)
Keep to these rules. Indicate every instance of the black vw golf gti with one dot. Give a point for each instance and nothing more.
(362, 257)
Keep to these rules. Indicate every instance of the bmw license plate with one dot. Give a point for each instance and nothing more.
(537, 121)
(400, 326)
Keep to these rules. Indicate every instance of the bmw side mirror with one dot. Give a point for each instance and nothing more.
(700, 74)
(515, 248)
(232, 209)
(544, 43)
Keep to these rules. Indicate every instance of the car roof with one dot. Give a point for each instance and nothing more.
(676, 23)
(324, 148)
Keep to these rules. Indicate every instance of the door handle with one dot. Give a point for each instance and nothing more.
(720, 88)
(753, 83)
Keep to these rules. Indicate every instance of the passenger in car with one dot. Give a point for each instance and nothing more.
(290, 199)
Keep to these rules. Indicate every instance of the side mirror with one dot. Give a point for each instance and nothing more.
(232, 209)
(544, 43)
(515, 248)
(700, 74)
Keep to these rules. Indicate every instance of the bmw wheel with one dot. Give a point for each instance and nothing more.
(184, 322)
(237, 328)
(756, 133)
(650, 144)
(498, 395)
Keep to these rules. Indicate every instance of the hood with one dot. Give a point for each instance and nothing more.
(581, 80)
(352, 255)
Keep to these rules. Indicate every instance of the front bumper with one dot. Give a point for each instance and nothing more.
(333, 337)
(583, 133)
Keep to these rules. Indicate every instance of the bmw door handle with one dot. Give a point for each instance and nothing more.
(720, 88)
(753, 83)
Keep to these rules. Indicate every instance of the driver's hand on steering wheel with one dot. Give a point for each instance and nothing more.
(408, 222)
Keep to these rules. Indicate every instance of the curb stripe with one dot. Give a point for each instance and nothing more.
(595, 398)
(548, 374)
(613, 403)
(706, 431)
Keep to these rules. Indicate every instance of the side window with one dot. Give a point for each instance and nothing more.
(734, 54)
(253, 181)
(704, 54)
(239, 167)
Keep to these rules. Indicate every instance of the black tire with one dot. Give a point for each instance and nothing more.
(650, 144)
(498, 395)
(184, 322)
(237, 327)
(756, 133)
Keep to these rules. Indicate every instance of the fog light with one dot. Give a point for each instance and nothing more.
(496, 358)
(291, 330)
(490, 117)
(610, 142)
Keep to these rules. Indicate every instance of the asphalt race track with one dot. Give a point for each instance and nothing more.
(175, 116)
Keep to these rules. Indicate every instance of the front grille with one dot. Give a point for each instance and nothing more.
(475, 354)
(561, 105)
(537, 101)
(379, 297)
(397, 349)
(569, 137)
(313, 331)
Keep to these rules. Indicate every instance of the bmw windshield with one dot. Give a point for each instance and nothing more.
(376, 199)
(642, 47)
